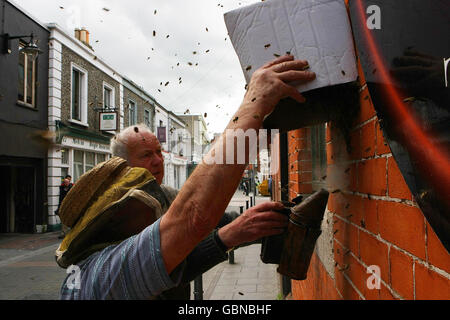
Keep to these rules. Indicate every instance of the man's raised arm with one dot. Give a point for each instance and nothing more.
(206, 194)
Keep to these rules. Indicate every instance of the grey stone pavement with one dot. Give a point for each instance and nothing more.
(28, 270)
(248, 278)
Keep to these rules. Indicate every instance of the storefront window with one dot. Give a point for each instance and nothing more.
(101, 157)
(90, 161)
(83, 161)
(64, 172)
(65, 156)
(78, 164)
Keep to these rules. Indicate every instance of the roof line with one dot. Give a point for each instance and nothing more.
(29, 15)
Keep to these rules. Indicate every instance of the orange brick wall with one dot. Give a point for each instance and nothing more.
(300, 164)
(375, 219)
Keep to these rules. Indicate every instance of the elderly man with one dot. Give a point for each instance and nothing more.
(140, 147)
(156, 260)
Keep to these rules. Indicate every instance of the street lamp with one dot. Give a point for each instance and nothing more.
(31, 49)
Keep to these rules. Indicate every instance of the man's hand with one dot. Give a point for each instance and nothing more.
(421, 74)
(205, 195)
(269, 84)
(255, 223)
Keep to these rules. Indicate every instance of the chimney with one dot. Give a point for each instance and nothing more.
(77, 34)
(83, 35)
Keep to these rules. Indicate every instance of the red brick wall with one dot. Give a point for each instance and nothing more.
(375, 219)
(300, 163)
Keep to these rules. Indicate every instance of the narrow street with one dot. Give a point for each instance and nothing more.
(28, 270)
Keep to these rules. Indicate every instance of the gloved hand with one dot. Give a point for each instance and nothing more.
(422, 75)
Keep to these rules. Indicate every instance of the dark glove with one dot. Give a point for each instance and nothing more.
(422, 75)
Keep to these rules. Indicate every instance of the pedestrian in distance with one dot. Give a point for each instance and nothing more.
(64, 189)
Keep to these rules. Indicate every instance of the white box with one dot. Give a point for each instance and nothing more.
(314, 30)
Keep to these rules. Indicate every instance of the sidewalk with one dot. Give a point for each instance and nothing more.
(15, 245)
(28, 269)
(248, 278)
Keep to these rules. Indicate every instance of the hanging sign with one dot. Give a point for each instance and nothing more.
(108, 121)
(162, 134)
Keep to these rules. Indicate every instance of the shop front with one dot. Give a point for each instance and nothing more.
(77, 152)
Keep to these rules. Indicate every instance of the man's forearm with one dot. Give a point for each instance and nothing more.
(198, 209)
(205, 195)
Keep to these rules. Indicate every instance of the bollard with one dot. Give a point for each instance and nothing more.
(198, 288)
(231, 253)
(231, 257)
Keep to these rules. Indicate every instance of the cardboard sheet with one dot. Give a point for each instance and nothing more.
(314, 30)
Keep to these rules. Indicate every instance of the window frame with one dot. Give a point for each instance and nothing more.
(83, 95)
(318, 156)
(67, 165)
(25, 80)
(75, 178)
(84, 161)
(148, 111)
(130, 101)
(111, 97)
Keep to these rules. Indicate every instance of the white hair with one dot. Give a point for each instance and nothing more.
(119, 143)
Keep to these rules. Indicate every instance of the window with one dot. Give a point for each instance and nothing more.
(147, 118)
(79, 96)
(27, 79)
(132, 113)
(108, 96)
(76, 95)
(319, 156)
(78, 164)
(176, 177)
(64, 173)
(65, 157)
(85, 161)
(101, 158)
(166, 176)
(90, 161)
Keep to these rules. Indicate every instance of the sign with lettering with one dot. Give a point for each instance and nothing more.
(108, 121)
(77, 143)
(162, 134)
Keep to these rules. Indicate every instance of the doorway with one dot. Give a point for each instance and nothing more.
(17, 199)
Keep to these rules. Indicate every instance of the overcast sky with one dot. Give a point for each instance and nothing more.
(121, 33)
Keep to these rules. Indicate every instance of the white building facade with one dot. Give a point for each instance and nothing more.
(81, 85)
